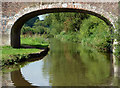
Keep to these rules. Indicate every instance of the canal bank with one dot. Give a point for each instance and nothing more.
(26, 53)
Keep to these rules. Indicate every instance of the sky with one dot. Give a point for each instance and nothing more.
(42, 17)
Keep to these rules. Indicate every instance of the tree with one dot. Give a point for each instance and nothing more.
(31, 21)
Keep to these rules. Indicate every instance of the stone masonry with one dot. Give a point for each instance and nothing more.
(15, 14)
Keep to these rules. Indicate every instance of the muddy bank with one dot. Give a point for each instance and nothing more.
(15, 59)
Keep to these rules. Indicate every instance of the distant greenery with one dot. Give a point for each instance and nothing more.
(31, 21)
(39, 27)
(93, 31)
(34, 40)
(74, 27)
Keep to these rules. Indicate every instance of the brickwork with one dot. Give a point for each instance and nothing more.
(12, 11)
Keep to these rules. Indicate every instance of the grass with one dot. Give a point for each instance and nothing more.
(33, 44)
(8, 51)
(35, 40)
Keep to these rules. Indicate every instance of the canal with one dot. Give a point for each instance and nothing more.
(66, 64)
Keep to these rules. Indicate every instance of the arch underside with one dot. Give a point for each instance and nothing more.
(16, 28)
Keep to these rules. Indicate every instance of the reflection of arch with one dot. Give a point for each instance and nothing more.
(15, 30)
(17, 77)
(18, 80)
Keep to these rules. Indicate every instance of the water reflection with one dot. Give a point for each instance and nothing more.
(75, 65)
(34, 74)
(67, 64)
(18, 79)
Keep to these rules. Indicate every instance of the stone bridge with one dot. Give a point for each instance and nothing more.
(16, 13)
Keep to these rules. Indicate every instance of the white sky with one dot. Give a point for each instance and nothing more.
(41, 17)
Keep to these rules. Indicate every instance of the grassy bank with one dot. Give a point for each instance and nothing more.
(30, 45)
(10, 54)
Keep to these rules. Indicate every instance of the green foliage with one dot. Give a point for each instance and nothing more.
(75, 27)
(27, 29)
(90, 30)
(31, 21)
(64, 21)
(95, 32)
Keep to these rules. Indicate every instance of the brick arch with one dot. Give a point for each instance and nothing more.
(29, 12)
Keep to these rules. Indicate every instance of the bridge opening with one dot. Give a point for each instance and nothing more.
(16, 29)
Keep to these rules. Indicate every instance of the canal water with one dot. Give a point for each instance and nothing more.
(66, 64)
